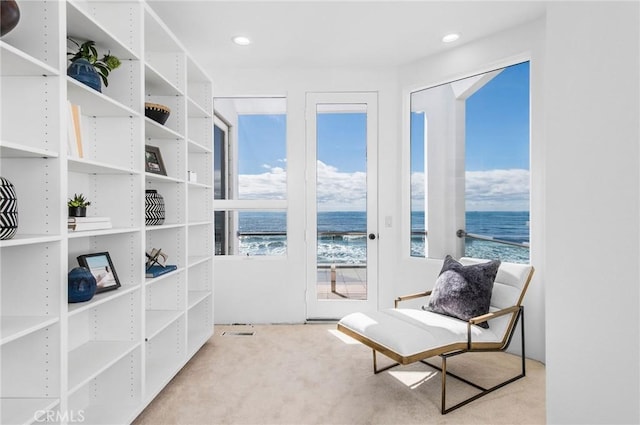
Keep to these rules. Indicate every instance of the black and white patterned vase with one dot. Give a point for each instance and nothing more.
(153, 208)
(8, 209)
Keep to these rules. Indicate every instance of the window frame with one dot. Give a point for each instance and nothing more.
(405, 222)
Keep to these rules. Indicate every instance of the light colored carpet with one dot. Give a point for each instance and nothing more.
(311, 374)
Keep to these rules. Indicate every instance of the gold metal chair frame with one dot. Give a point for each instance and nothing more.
(451, 350)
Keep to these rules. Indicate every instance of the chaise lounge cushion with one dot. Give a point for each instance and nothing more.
(413, 332)
(463, 291)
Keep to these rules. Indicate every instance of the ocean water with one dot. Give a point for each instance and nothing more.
(342, 235)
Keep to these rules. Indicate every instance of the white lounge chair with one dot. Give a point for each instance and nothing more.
(408, 335)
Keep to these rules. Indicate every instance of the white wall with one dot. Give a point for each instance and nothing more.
(592, 191)
(272, 290)
(585, 240)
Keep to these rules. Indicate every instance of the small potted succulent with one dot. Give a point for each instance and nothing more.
(78, 206)
(88, 68)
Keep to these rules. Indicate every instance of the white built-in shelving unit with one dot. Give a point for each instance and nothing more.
(103, 360)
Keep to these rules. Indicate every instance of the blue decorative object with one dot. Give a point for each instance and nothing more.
(82, 285)
(83, 71)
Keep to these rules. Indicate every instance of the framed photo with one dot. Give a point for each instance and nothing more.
(102, 269)
(153, 160)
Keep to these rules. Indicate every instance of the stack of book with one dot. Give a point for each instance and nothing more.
(75, 224)
(155, 271)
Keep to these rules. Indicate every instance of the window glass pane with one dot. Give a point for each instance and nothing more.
(258, 233)
(418, 185)
(487, 117)
(219, 162)
(497, 167)
(250, 164)
(257, 149)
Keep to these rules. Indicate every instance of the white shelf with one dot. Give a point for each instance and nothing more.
(150, 177)
(159, 320)
(196, 297)
(23, 411)
(155, 130)
(15, 62)
(17, 150)
(196, 111)
(95, 103)
(101, 298)
(108, 414)
(101, 232)
(158, 84)
(199, 223)
(195, 260)
(195, 147)
(79, 165)
(15, 327)
(94, 357)
(164, 226)
(25, 239)
(82, 27)
(61, 357)
(196, 185)
(159, 373)
(197, 338)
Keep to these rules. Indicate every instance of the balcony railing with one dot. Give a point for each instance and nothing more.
(463, 234)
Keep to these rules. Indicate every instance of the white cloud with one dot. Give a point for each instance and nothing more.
(497, 190)
(271, 184)
(491, 190)
(336, 191)
(340, 191)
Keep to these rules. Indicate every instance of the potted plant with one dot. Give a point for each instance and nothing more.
(78, 206)
(88, 68)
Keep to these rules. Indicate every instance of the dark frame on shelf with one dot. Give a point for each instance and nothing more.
(153, 160)
(102, 269)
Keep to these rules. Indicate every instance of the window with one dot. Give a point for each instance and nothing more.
(250, 176)
(220, 184)
(483, 119)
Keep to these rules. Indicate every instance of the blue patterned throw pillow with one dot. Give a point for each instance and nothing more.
(463, 291)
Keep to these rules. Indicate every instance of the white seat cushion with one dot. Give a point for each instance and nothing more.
(408, 332)
(412, 334)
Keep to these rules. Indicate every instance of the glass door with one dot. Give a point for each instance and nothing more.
(341, 203)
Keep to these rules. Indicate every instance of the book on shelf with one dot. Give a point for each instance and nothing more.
(89, 225)
(155, 271)
(74, 130)
(87, 219)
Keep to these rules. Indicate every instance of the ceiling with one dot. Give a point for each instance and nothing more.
(332, 33)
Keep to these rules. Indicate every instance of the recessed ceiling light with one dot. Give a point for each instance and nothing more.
(450, 38)
(241, 40)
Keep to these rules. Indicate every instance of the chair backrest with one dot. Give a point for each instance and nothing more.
(509, 289)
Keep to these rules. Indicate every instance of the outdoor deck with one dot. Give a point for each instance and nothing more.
(349, 282)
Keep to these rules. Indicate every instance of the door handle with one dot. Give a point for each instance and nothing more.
(372, 236)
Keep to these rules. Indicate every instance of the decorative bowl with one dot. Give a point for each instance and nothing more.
(155, 111)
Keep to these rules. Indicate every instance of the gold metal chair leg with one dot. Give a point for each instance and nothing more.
(375, 365)
(443, 388)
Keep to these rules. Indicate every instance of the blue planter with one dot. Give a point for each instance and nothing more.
(83, 71)
(82, 285)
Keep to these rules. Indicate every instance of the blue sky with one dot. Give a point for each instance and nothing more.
(496, 145)
(262, 142)
(497, 122)
(497, 150)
